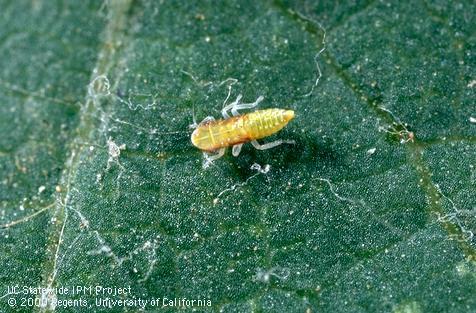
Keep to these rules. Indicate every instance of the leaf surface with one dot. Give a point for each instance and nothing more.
(372, 210)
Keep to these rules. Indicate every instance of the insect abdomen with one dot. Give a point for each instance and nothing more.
(264, 123)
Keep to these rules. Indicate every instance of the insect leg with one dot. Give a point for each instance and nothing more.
(219, 154)
(236, 149)
(210, 158)
(236, 107)
(207, 119)
(230, 106)
(270, 145)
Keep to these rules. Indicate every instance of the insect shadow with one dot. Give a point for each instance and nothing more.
(308, 149)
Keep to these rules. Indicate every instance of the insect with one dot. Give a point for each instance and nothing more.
(214, 136)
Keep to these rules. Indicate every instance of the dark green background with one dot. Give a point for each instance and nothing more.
(332, 227)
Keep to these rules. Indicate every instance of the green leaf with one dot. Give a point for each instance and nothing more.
(372, 210)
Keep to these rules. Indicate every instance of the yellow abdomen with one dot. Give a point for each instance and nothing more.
(218, 134)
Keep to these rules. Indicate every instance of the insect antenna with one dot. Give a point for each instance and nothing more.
(195, 124)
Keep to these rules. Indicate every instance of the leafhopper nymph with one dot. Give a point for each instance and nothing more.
(214, 136)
